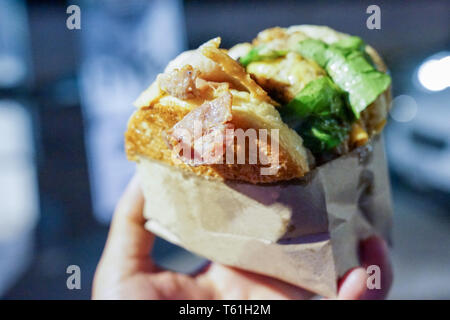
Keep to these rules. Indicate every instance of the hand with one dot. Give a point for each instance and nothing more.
(126, 271)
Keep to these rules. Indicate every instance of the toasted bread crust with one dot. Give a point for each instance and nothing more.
(145, 137)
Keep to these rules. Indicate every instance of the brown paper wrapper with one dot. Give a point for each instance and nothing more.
(305, 232)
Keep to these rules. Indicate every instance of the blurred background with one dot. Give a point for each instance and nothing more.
(66, 95)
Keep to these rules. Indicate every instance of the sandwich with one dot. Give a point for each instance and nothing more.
(267, 156)
(322, 92)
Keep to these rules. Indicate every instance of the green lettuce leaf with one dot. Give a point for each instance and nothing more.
(346, 63)
(350, 43)
(320, 97)
(313, 49)
(260, 53)
(319, 114)
(323, 134)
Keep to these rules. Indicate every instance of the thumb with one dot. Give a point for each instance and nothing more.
(129, 244)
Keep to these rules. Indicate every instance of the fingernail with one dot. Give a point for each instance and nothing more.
(354, 285)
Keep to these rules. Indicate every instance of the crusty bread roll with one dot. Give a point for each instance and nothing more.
(159, 111)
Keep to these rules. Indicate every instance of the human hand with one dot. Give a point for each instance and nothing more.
(126, 271)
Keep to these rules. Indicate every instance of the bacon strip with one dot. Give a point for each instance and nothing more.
(180, 83)
(200, 137)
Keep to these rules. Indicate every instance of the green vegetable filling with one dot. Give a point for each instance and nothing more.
(347, 64)
(319, 114)
(321, 134)
(261, 53)
(320, 98)
(323, 111)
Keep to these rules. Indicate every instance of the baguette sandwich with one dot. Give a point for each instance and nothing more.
(321, 92)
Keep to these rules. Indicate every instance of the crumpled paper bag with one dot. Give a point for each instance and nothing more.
(305, 232)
